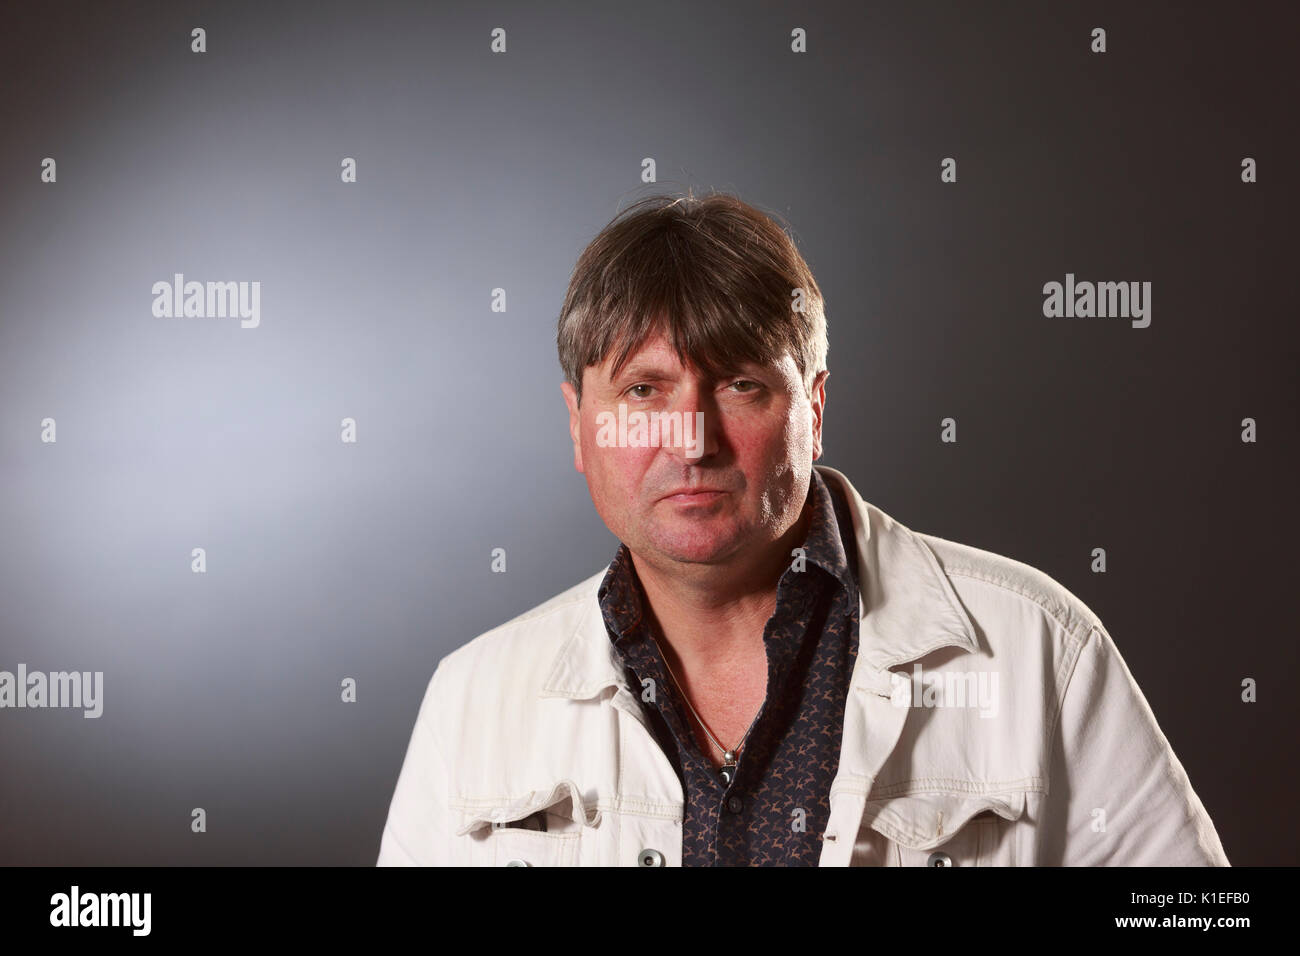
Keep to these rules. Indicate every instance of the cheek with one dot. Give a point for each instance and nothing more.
(797, 438)
(779, 447)
(774, 458)
(616, 471)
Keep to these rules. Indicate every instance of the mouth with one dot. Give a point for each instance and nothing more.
(694, 496)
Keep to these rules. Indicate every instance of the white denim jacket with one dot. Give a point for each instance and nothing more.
(1061, 762)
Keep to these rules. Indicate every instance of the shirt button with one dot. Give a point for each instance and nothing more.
(939, 859)
(650, 858)
(735, 804)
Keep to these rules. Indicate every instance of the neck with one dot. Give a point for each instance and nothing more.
(713, 617)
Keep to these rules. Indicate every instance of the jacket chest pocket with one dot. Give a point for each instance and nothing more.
(942, 830)
(539, 828)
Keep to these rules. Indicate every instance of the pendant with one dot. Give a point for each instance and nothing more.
(728, 769)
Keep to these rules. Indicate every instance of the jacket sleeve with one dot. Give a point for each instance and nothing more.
(416, 832)
(1117, 794)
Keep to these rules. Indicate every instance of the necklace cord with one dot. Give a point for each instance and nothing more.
(702, 724)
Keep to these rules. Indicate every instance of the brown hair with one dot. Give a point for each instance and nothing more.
(714, 274)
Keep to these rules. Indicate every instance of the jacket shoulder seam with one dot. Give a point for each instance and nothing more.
(1064, 676)
(1037, 599)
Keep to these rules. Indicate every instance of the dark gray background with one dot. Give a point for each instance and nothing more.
(476, 170)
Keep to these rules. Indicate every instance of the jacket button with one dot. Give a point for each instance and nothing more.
(650, 858)
(516, 863)
(735, 804)
(939, 859)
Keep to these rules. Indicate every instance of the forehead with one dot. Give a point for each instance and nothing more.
(657, 354)
(657, 350)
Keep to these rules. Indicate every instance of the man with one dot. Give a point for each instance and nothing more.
(771, 671)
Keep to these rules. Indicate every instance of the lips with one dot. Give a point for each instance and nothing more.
(689, 495)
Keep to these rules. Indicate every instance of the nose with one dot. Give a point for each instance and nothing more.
(694, 420)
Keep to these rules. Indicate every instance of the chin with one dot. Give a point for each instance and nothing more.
(695, 547)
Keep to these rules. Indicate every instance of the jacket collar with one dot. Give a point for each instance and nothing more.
(906, 609)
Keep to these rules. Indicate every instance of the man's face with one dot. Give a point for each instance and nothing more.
(761, 434)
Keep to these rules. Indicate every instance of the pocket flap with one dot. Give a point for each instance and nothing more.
(563, 799)
(922, 821)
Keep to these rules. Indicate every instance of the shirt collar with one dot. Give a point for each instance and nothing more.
(907, 608)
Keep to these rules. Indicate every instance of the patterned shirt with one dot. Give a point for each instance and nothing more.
(792, 752)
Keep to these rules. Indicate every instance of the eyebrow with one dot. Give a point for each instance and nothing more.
(642, 370)
(647, 371)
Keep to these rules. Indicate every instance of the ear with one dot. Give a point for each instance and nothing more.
(818, 401)
(575, 422)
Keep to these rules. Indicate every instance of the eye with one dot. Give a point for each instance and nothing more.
(745, 381)
(638, 385)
